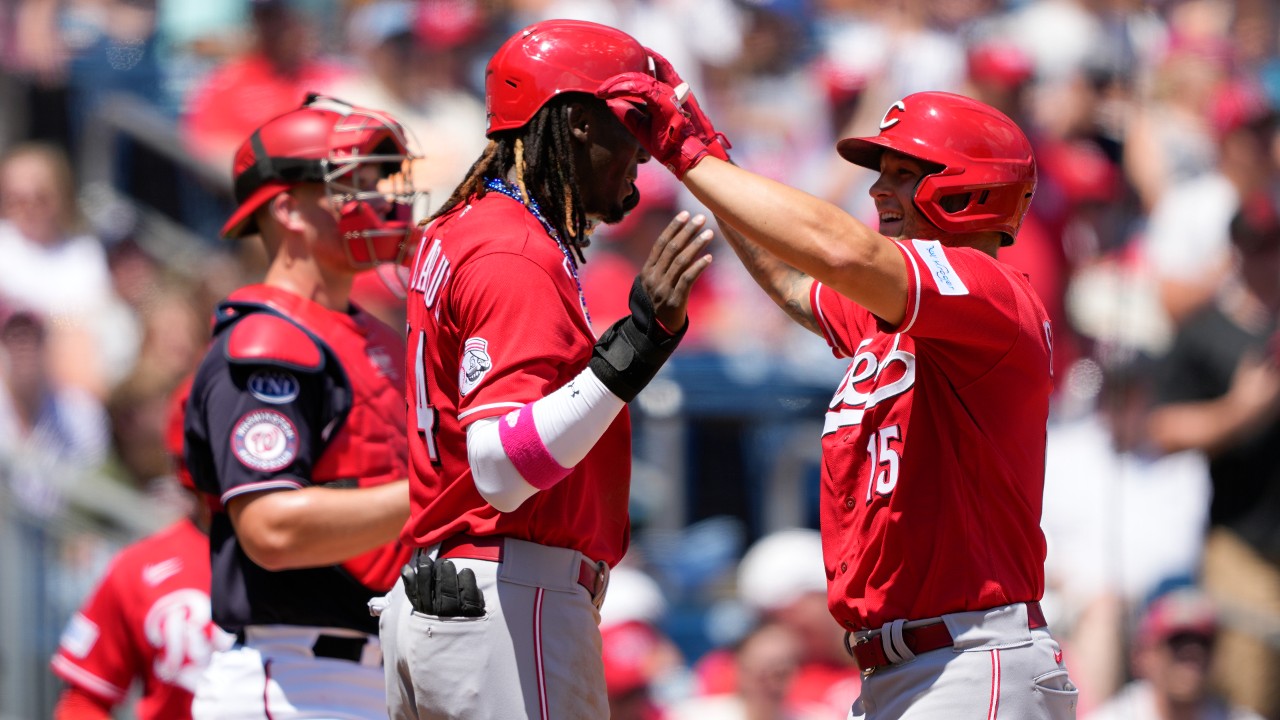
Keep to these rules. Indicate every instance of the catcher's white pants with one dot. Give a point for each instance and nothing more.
(274, 674)
(997, 669)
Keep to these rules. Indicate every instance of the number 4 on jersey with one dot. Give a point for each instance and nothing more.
(883, 460)
(428, 420)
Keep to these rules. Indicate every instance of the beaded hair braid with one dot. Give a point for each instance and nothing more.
(541, 152)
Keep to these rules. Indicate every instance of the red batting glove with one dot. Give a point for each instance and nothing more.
(649, 109)
(716, 142)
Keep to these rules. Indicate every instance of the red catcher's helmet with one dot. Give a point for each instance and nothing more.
(327, 141)
(553, 57)
(987, 175)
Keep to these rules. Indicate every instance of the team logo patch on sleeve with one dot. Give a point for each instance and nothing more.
(274, 386)
(79, 636)
(935, 258)
(475, 363)
(265, 440)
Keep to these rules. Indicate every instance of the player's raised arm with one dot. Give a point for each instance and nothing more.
(802, 231)
(785, 285)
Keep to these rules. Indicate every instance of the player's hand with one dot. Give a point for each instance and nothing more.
(675, 261)
(632, 351)
(650, 110)
(716, 142)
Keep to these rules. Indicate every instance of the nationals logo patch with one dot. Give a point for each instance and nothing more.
(475, 363)
(265, 440)
(274, 386)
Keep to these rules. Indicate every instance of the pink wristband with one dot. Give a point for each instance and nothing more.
(525, 449)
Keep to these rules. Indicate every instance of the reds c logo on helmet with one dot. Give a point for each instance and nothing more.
(553, 57)
(986, 174)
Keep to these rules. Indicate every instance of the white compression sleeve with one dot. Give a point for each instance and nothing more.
(568, 422)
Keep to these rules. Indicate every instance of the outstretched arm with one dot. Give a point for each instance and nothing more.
(815, 238)
(807, 233)
(785, 285)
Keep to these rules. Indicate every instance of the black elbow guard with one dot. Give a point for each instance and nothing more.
(633, 349)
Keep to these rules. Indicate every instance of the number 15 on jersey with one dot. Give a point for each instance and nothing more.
(883, 459)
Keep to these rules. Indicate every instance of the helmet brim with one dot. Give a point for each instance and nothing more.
(862, 151)
(241, 222)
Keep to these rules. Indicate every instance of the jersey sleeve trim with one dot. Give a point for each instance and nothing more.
(273, 484)
(827, 333)
(491, 409)
(85, 680)
(914, 297)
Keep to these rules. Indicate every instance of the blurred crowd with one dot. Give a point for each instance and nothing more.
(1153, 240)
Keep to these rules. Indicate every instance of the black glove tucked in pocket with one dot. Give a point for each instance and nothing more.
(436, 587)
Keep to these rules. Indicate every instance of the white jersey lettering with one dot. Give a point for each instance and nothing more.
(854, 397)
(430, 273)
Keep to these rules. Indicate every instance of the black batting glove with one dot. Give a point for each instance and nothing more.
(455, 594)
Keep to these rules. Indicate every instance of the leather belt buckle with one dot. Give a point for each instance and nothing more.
(850, 647)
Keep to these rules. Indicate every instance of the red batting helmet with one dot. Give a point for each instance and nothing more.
(326, 141)
(552, 57)
(988, 172)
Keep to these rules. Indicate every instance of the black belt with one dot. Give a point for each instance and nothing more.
(336, 647)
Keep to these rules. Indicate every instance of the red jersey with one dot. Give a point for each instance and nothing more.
(495, 322)
(933, 446)
(148, 620)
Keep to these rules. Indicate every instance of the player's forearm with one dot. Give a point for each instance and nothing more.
(318, 526)
(511, 464)
(1210, 426)
(806, 233)
(785, 285)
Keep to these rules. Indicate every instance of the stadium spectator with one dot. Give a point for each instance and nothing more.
(781, 580)
(50, 434)
(1172, 648)
(1186, 238)
(411, 68)
(272, 78)
(1219, 393)
(55, 269)
(1119, 516)
(765, 663)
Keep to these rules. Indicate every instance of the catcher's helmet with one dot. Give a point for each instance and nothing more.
(326, 141)
(552, 57)
(987, 175)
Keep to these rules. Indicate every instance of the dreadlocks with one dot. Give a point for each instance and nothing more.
(541, 152)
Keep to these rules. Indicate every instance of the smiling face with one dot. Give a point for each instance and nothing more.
(607, 165)
(893, 192)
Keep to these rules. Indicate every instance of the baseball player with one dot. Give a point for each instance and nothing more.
(519, 435)
(933, 445)
(148, 620)
(296, 422)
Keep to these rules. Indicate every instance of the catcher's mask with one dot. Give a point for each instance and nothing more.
(328, 141)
